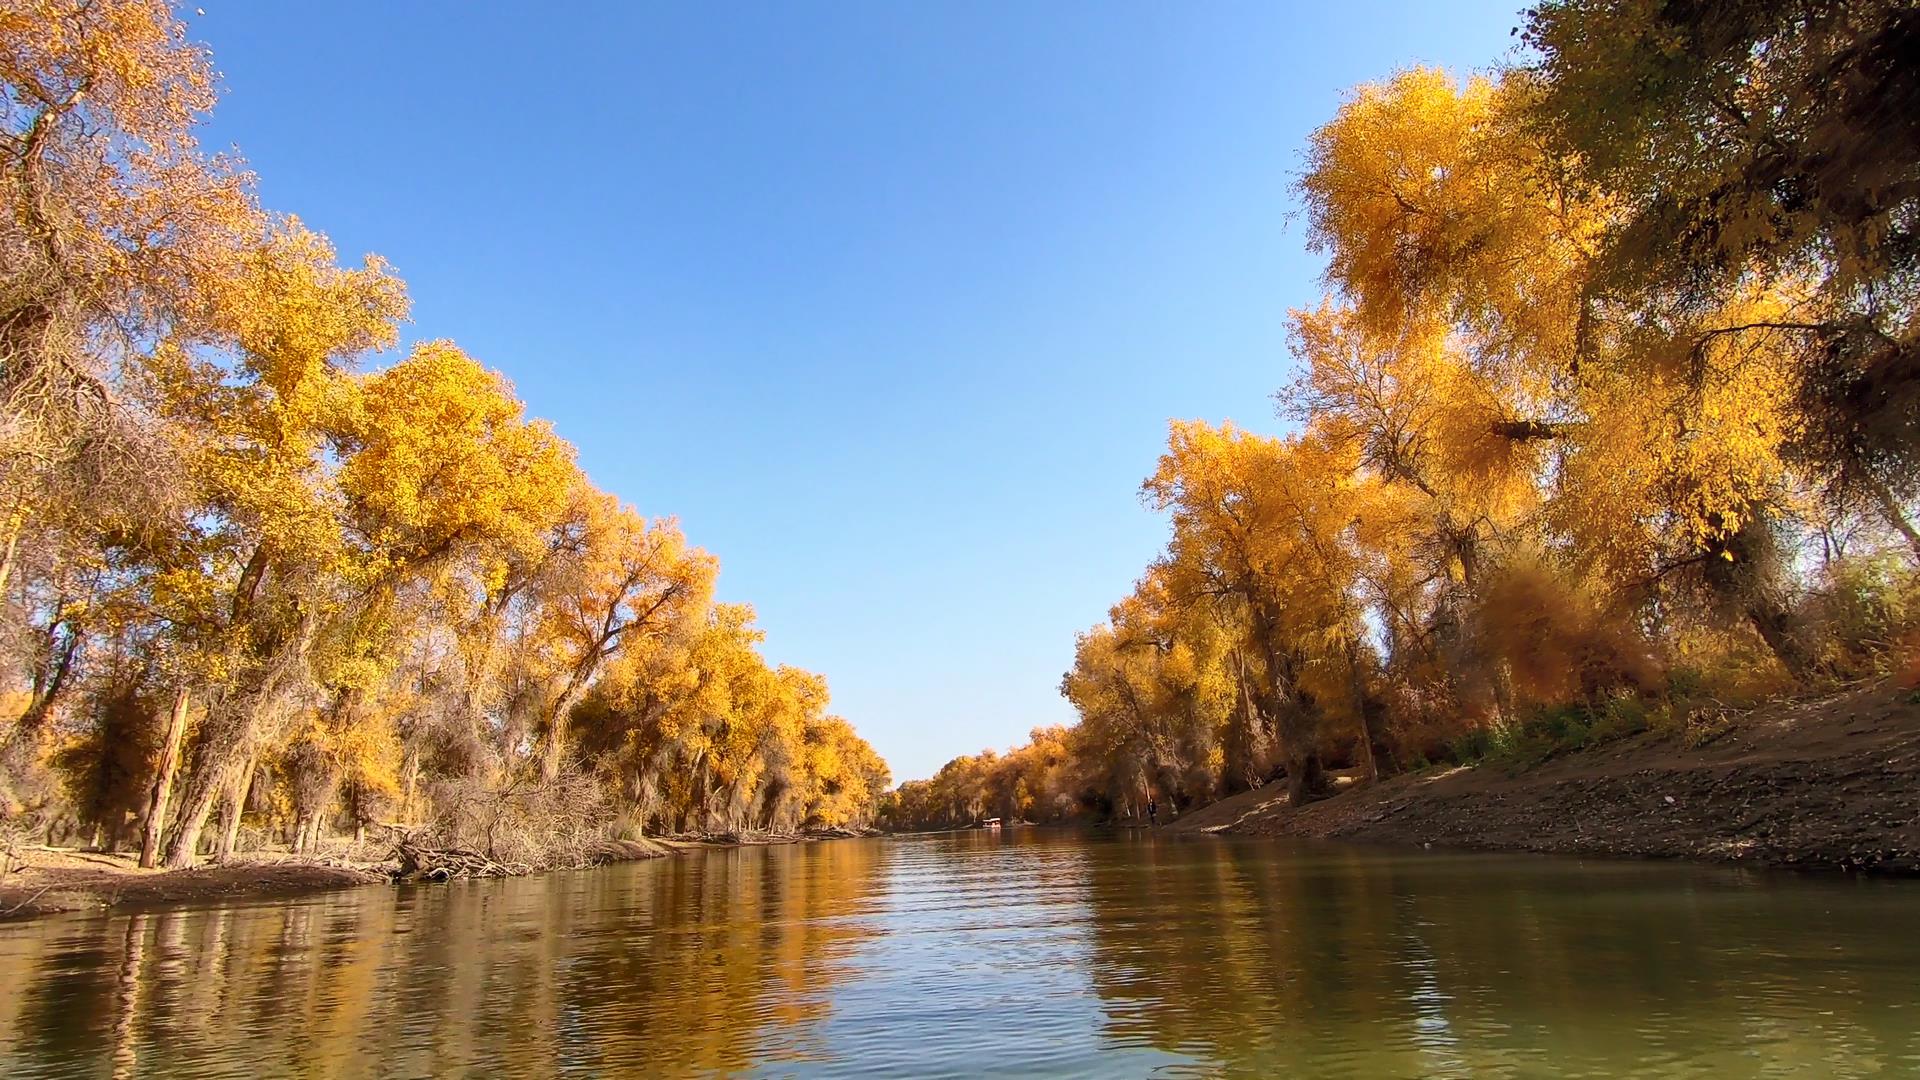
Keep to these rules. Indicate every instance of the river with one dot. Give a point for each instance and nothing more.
(1029, 953)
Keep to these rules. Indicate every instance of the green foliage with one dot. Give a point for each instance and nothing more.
(1863, 610)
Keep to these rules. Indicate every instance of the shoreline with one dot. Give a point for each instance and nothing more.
(61, 880)
(1829, 783)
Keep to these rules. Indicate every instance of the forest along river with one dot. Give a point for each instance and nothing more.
(1032, 952)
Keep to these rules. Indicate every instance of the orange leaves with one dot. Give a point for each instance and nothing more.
(102, 101)
(405, 544)
(442, 458)
(1394, 194)
(290, 311)
(1438, 213)
(1559, 642)
(129, 57)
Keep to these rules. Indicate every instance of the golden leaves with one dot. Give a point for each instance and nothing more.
(441, 456)
(336, 550)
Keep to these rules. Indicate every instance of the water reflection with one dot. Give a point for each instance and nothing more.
(1030, 953)
(1367, 963)
(710, 963)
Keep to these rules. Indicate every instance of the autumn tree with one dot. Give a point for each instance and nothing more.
(115, 221)
(1753, 147)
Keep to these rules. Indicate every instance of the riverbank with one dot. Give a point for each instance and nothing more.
(63, 879)
(1826, 783)
(57, 880)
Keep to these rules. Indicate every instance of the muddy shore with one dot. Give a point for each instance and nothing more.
(1830, 783)
(59, 879)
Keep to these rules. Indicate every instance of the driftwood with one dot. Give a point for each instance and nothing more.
(444, 864)
(416, 860)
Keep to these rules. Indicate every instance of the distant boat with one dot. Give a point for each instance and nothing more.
(990, 823)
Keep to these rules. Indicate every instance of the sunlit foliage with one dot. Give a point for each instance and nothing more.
(1610, 405)
(249, 570)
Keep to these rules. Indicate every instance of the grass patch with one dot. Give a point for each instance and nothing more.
(1546, 732)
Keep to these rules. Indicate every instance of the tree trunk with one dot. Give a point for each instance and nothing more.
(412, 771)
(201, 798)
(16, 520)
(1363, 711)
(47, 684)
(162, 791)
(236, 808)
(1306, 777)
(1774, 623)
(556, 742)
(1369, 762)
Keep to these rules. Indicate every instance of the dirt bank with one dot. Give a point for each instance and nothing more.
(1831, 783)
(59, 879)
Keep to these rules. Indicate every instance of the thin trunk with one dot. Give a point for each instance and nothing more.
(412, 771)
(47, 685)
(1363, 711)
(1502, 678)
(229, 825)
(236, 808)
(16, 520)
(162, 790)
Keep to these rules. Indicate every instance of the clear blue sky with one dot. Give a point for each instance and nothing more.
(890, 302)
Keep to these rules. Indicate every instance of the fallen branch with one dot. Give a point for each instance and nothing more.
(445, 864)
(25, 903)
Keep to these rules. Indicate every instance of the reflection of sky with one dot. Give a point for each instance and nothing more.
(980, 963)
(1427, 1003)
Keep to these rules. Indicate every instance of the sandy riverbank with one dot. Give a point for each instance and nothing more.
(61, 879)
(66, 879)
(1828, 783)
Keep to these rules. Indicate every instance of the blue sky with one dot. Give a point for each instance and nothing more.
(890, 303)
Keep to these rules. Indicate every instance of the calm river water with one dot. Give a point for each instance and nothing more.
(1032, 953)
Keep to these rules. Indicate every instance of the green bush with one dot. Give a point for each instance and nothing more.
(1472, 747)
(1866, 606)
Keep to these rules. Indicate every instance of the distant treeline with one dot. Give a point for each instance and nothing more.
(1610, 413)
(243, 580)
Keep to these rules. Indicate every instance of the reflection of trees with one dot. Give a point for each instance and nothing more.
(714, 961)
(1389, 965)
(1252, 957)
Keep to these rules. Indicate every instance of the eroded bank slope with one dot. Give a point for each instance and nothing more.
(1832, 783)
